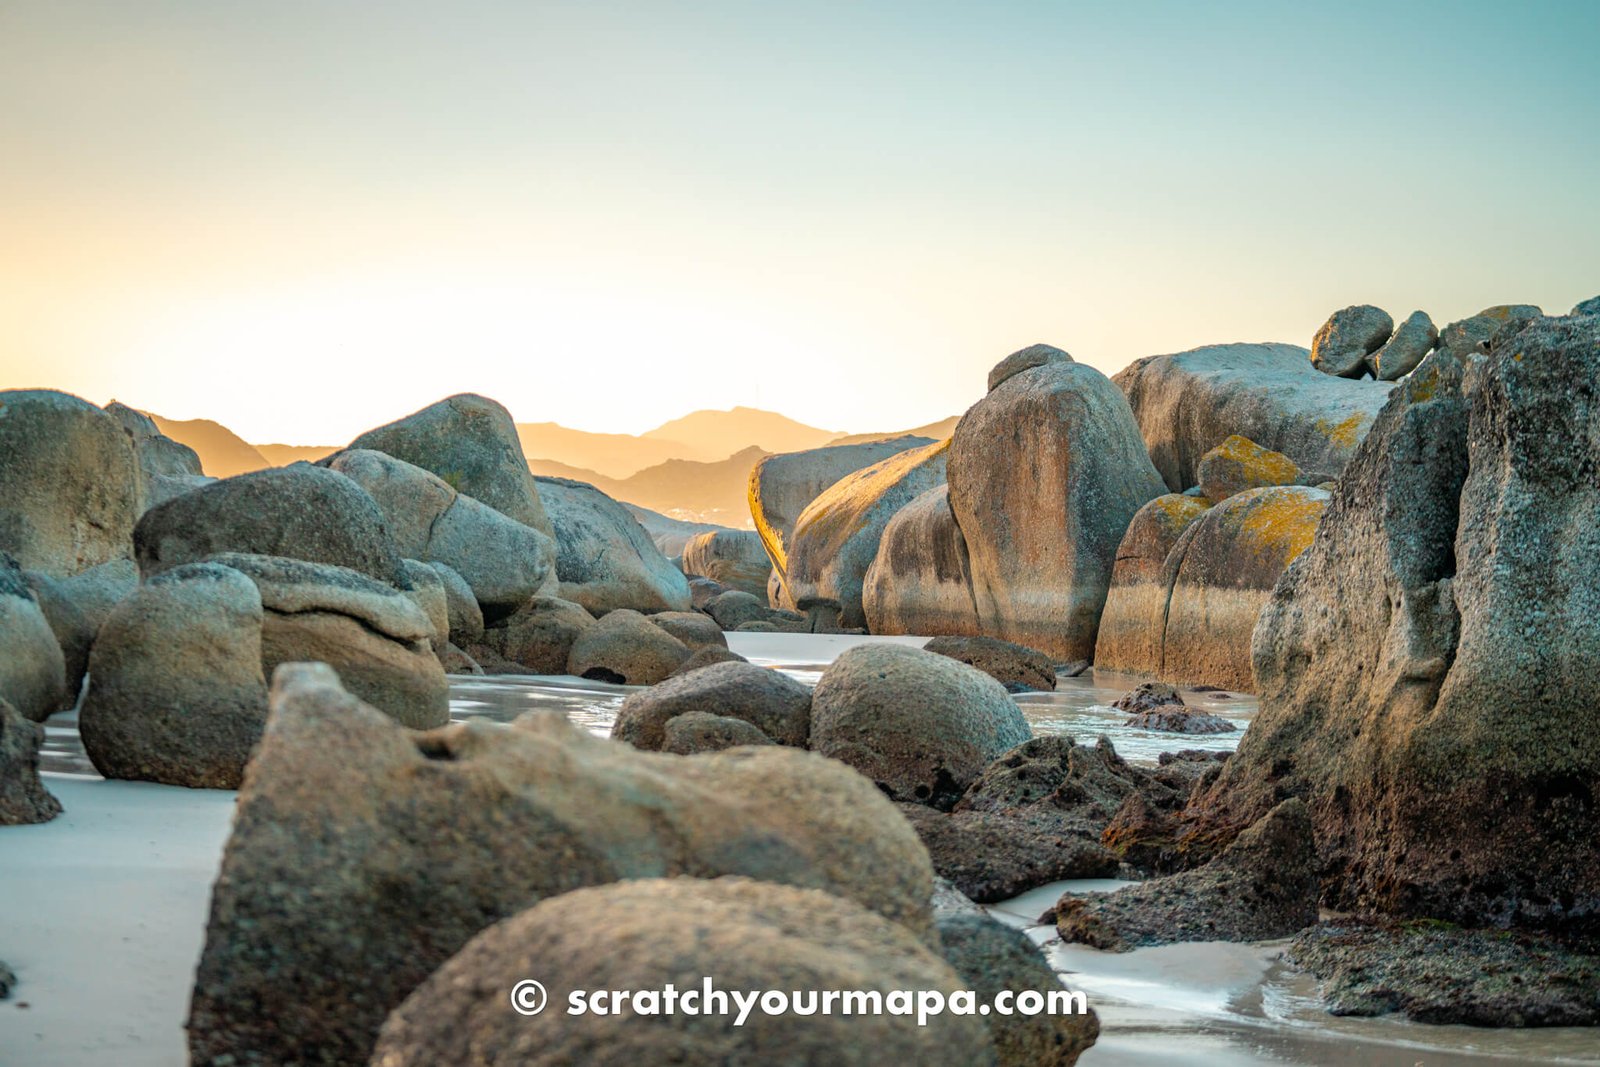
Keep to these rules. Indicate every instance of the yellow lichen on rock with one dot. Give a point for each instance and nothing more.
(1238, 463)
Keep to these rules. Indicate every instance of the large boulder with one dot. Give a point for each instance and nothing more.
(299, 512)
(625, 648)
(920, 725)
(920, 582)
(836, 537)
(1187, 402)
(373, 634)
(176, 692)
(504, 561)
(1425, 668)
(1411, 343)
(470, 442)
(1350, 336)
(541, 634)
(77, 607)
(33, 676)
(1046, 472)
(604, 558)
(781, 487)
(775, 703)
(633, 936)
(355, 839)
(23, 798)
(166, 467)
(736, 558)
(1135, 615)
(69, 483)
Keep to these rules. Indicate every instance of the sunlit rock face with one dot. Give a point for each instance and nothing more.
(920, 582)
(1426, 667)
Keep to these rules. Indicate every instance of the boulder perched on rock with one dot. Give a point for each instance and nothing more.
(77, 607)
(358, 840)
(1424, 668)
(708, 656)
(734, 608)
(1045, 474)
(373, 634)
(695, 732)
(735, 558)
(781, 487)
(176, 692)
(921, 725)
(693, 628)
(541, 634)
(470, 442)
(461, 605)
(774, 703)
(604, 558)
(633, 936)
(1025, 359)
(1348, 338)
(69, 483)
(32, 668)
(1411, 343)
(1468, 337)
(298, 512)
(1587, 307)
(23, 798)
(920, 582)
(166, 467)
(625, 648)
(1135, 615)
(1263, 885)
(1238, 464)
(503, 561)
(1019, 668)
(1270, 393)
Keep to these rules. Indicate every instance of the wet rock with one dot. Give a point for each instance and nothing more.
(707, 657)
(604, 558)
(1019, 668)
(1148, 697)
(1025, 359)
(1238, 464)
(694, 629)
(1411, 343)
(1135, 615)
(69, 483)
(1185, 403)
(1349, 336)
(461, 605)
(1263, 885)
(920, 582)
(176, 692)
(1045, 474)
(992, 857)
(734, 558)
(358, 840)
(990, 958)
(32, 667)
(1179, 719)
(471, 443)
(695, 732)
(298, 512)
(632, 936)
(541, 634)
(23, 798)
(734, 608)
(623, 647)
(1442, 974)
(373, 634)
(773, 702)
(922, 726)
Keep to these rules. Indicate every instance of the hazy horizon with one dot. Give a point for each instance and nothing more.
(302, 220)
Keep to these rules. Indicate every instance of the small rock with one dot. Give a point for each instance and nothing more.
(735, 607)
(774, 703)
(1238, 464)
(540, 635)
(23, 798)
(1017, 667)
(707, 657)
(626, 649)
(694, 732)
(1349, 336)
(695, 630)
(1025, 359)
(1177, 719)
(1148, 697)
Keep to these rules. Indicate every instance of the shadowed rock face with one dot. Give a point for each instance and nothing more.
(359, 840)
(920, 582)
(1135, 615)
(1046, 472)
(32, 666)
(23, 798)
(1426, 667)
(656, 933)
(604, 558)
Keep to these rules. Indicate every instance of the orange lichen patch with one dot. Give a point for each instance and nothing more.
(1261, 465)
(1285, 518)
(1347, 433)
(1177, 510)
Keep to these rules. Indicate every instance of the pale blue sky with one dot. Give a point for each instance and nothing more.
(305, 218)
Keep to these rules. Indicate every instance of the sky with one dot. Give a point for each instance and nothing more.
(305, 219)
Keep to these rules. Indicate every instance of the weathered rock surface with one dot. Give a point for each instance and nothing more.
(1135, 615)
(1587, 307)
(633, 936)
(991, 857)
(695, 732)
(922, 726)
(836, 537)
(920, 582)
(176, 692)
(541, 634)
(77, 607)
(33, 676)
(626, 648)
(604, 558)
(356, 839)
(1348, 338)
(1025, 359)
(298, 512)
(461, 605)
(735, 558)
(69, 483)
(1411, 343)
(694, 629)
(1019, 668)
(1238, 464)
(470, 442)
(707, 657)
(166, 467)
(1424, 667)
(735, 608)
(782, 485)
(427, 592)
(774, 703)
(1263, 885)
(1186, 402)
(23, 798)
(1045, 474)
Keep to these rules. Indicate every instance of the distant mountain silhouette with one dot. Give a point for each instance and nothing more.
(685, 489)
(937, 431)
(611, 455)
(283, 455)
(715, 434)
(222, 452)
